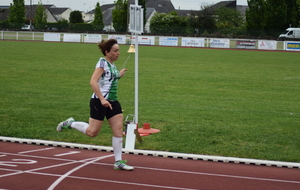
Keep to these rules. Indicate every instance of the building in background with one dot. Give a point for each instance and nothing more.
(55, 14)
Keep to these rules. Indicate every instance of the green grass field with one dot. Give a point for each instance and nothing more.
(204, 101)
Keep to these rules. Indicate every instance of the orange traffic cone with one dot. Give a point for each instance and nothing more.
(146, 129)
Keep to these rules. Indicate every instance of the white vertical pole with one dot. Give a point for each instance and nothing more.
(136, 98)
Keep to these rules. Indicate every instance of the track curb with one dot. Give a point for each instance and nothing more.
(247, 161)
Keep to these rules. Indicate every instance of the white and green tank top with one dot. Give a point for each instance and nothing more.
(108, 82)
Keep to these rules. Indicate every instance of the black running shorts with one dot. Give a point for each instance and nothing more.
(98, 112)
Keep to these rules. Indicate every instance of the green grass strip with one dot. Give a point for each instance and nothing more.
(205, 101)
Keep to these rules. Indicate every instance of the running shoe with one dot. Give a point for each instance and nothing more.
(121, 165)
(65, 124)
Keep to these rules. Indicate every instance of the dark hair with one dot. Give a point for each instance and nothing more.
(106, 45)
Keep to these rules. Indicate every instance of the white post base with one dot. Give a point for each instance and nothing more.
(130, 136)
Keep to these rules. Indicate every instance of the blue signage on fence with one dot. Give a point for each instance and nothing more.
(293, 46)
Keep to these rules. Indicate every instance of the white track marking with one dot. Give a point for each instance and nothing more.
(17, 161)
(36, 169)
(47, 158)
(36, 150)
(75, 169)
(222, 175)
(68, 153)
(11, 174)
(131, 183)
(145, 168)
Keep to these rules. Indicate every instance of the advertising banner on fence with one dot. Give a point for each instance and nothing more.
(267, 44)
(192, 42)
(292, 46)
(72, 37)
(92, 38)
(245, 44)
(144, 40)
(219, 43)
(52, 37)
(120, 38)
(168, 41)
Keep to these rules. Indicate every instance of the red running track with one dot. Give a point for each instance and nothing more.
(33, 167)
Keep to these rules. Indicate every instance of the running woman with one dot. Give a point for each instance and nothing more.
(104, 102)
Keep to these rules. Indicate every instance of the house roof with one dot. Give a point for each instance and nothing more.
(228, 4)
(149, 12)
(103, 8)
(107, 6)
(184, 13)
(161, 6)
(107, 14)
(48, 6)
(57, 11)
(30, 10)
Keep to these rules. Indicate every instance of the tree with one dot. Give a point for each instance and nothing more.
(98, 20)
(202, 20)
(293, 13)
(228, 20)
(255, 17)
(120, 15)
(276, 17)
(298, 5)
(168, 23)
(270, 17)
(40, 17)
(17, 14)
(76, 17)
(62, 25)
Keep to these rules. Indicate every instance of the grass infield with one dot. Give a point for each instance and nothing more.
(205, 101)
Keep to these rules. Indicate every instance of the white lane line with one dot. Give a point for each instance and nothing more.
(147, 168)
(221, 175)
(75, 169)
(36, 150)
(137, 184)
(132, 183)
(68, 153)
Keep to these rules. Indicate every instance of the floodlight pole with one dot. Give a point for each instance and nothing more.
(136, 99)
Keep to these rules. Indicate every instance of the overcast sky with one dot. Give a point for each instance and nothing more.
(88, 5)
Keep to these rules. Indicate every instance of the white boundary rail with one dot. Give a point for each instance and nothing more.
(155, 153)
